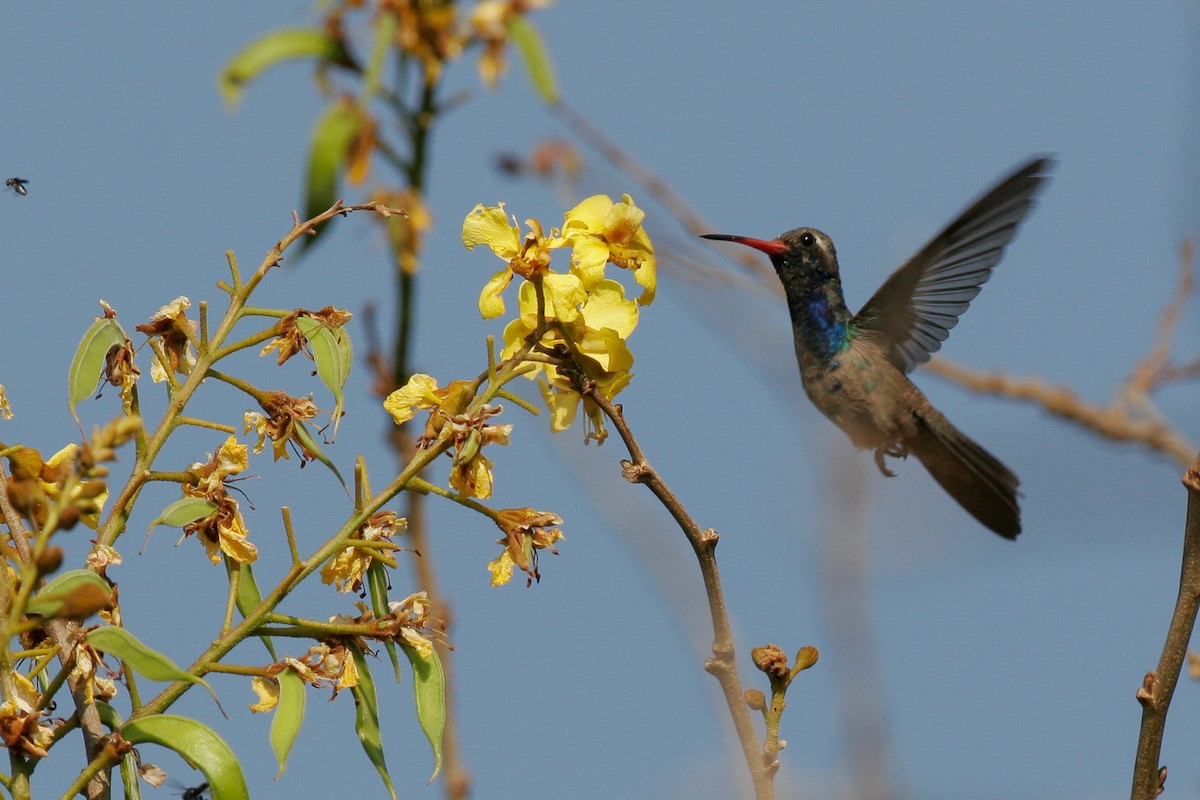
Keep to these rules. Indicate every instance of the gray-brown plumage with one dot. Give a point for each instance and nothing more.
(855, 367)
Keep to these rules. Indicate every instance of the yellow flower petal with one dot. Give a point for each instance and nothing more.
(419, 392)
(623, 221)
(267, 690)
(564, 295)
(562, 405)
(501, 568)
(607, 349)
(589, 254)
(232, 458)
(588, 216)
(491, 304)
(489, 226)
(607, 307)
(417, 642)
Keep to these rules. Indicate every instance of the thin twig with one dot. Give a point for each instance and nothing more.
(1158, 686)
(1114, 422)
(723, 664)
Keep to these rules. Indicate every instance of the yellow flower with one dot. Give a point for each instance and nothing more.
(471, 472)
(600, 232)
(412, 613)
(347, 568)
(327, 664)
(171, 324)
(86, 497)
(528, 257)
(224, 530)
(598, 335)
(287, 415)
(21, 727)
(490, 27)
(421, 391)
(526, 531)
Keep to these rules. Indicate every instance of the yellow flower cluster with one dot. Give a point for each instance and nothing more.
(224, 530)
(580, 311)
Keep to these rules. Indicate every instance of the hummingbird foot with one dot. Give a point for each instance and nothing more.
(895, 451)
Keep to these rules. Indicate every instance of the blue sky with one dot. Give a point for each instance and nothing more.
(1009, 669)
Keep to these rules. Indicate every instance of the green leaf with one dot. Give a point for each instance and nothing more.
(429, 694)
(385, 34)
(249, 597)
(366, 717)
(77, 589)
(275, 48)
(333, 356)
(334, 133)
(109, 715)
(90, 360)
(305, 438)
(537, 59)
(199, 745)
(184, 512)
(144, 660)
(377, 586)
(289, 716)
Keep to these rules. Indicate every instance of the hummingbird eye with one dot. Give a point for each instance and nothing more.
(807, 240)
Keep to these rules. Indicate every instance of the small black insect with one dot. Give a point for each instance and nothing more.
(188, 792)
(18, 185)
(196, 792)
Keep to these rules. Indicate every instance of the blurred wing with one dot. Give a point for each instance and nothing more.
(913, 312)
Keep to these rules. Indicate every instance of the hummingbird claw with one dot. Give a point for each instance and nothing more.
(895, 451)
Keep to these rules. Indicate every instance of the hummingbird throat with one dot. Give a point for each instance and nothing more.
(821, 320)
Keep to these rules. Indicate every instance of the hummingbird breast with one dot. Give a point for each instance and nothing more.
(862, 393)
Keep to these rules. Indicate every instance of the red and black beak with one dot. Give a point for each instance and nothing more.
(772, 247)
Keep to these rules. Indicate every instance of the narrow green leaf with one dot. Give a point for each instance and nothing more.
(377, 587)
(184, 512)
(90, 360)
(333, 357)
(199, 745)
(109, 715)
(249, 598)
(144, 660)
(537, 59)
(334, 133)
(429, 694)
(305, 438)
(275, 48)
(366, 717)
(289, 716)
(385, 35)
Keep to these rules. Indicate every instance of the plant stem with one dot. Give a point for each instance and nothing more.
(723, 664)
(1158, 686)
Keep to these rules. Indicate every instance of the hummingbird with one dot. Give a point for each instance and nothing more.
(855, 367)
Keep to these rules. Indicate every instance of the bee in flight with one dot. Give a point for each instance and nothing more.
(189, 792)
(18, 185)
(196, 792)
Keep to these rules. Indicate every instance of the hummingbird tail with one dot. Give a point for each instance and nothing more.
(971, 475)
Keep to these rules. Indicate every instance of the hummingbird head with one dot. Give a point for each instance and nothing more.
(801, 256)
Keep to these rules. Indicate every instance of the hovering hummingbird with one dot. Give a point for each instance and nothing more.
(854, 367)
(17, 185)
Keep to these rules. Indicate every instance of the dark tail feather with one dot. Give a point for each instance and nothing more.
(971, 475)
